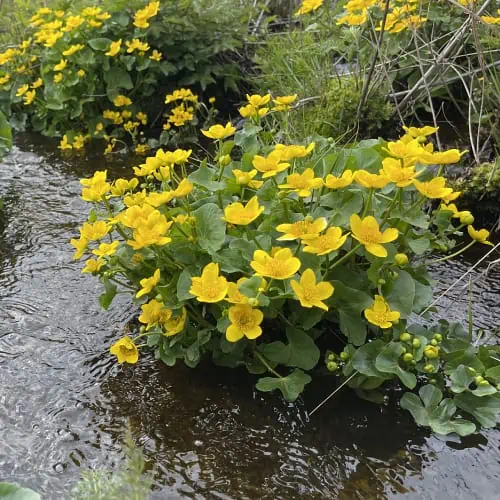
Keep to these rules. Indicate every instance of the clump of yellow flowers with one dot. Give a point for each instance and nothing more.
(91, 74)
(257, 253)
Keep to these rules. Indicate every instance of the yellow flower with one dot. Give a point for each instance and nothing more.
(333, 182)
(58, 77)
(234, 296)
(380, 313)
(183, 189)
(434, 188)
(212, 100)
(122, 100)
(326, 243)
(219, 131)
(293, 151)
(106, 249)
(114, 48)
(281, 265)
(368, 233)
(451, 197)
(269, 166)
(246, 178)
(61, 65)
(81, 245)
(283, 103)
(409, 152)
(257, 100)
(151, 231)
(22, 90)
(311, 293)
(209, 287)
(29, 97)
(175, 324)
(245, 322)
(142, 117)
(4, 79)
(252, 111)
(480, 235)
(156, 56)
(302, 229)
(420, 133)
(65, 144)
(303, 183)
(153, 313)
(141, 149)
(36, 84)
(442, 158)
(93, 266)
(136, 44)
(240, 215)
(125, 350)
(369, 180)
(143, 15)
(120, 186)
(394, 172)
(148, 284)
(71, 50)
(95, 231)
(309, 6)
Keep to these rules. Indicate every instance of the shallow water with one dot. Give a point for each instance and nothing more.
(65, 405)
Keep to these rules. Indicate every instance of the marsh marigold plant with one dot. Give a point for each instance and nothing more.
(293, 259)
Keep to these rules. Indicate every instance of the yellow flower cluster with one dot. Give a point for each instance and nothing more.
(402, 14)
(184, 111)
(142, 16)
(309, 6)
(257, 106)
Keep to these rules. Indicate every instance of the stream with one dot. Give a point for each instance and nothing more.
(65, 405)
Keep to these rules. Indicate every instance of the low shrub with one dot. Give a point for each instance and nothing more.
(88, 73)
(292, 260)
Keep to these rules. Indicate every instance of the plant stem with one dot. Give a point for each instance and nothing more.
(344, 257)
(263, 360)
(448, 257)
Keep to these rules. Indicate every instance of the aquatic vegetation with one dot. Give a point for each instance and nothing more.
(96, 73)
(5, 135)
(263, 254)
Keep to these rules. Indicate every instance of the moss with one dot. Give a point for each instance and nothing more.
(336, 112)
(481, 188)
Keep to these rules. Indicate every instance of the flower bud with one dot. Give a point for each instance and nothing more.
(484, 383)
(331, 356)
(438, 337)
(401, 259)
(159, 298)
(344, 356)
(224, 160)
(150, 178)
(433, 381)
(253, 302)
(407, 357)
(416, 343)
(381, 281)
(428, 368)
(434, 342)
(405, 337)
(395, 274)
(431, 352)
(332, 366)
(471, 371)
(478, 379)
(466, 218)
(142, 329)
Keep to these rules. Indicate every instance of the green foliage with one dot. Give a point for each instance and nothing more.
(5, 135)
(129, 482)
(185, 42)
(255, 266)
(9, 491)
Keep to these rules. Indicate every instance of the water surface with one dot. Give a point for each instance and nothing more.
(65, 405)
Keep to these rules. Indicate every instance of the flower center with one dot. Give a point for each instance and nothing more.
(371, 235)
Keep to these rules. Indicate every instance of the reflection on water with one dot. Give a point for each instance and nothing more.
(65, 405)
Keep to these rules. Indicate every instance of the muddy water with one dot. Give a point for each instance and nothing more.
(65, 405)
